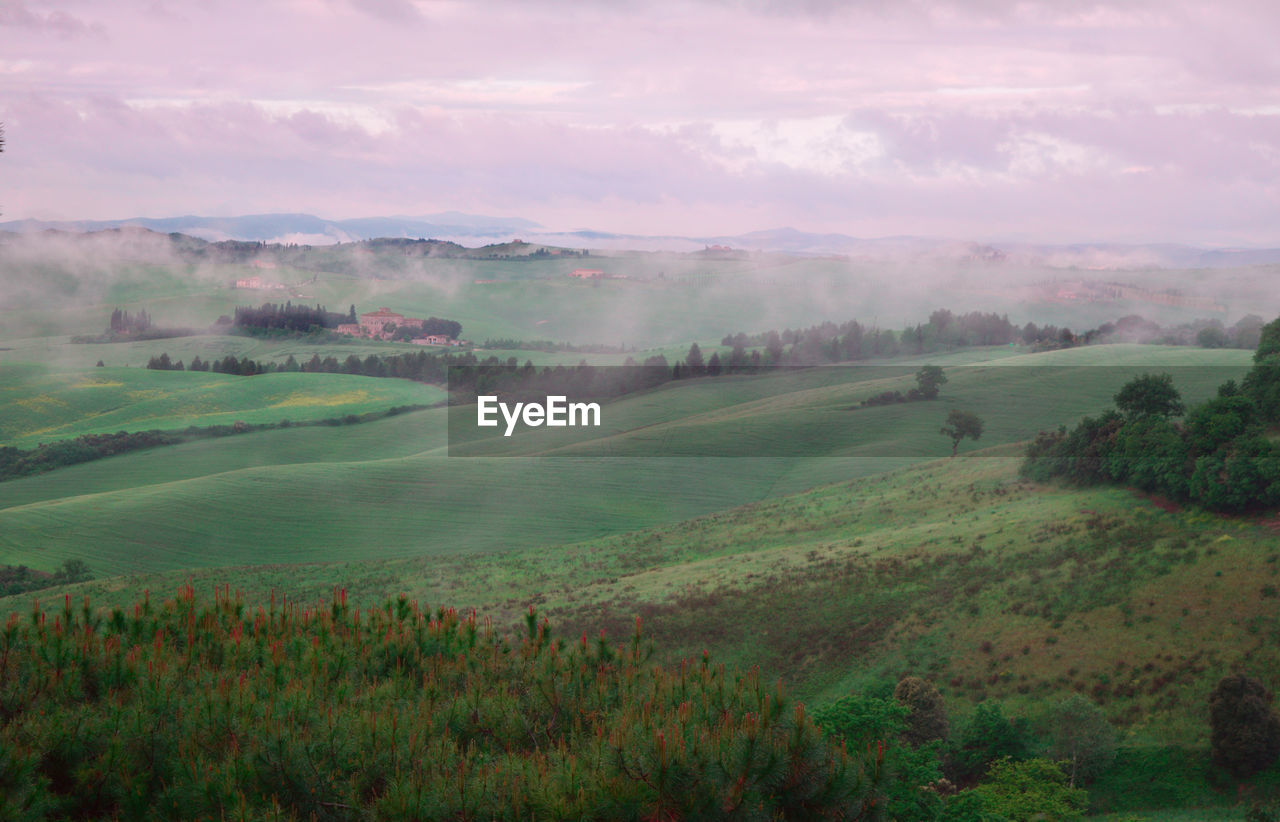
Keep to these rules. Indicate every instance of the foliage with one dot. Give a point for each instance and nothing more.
(287, 317)
(1218, 458)
(1154, 777)
(987, 737)
(1244, 729)
(19, 579)
(1032, 790)
(1218, 421)
(214, 710)
(1268, 342)
(1242, 474)
(929, 379)
(927, 720)
(1149, 394)
(124, 323)
(959, 425)
(871, 724)
(1082, 739)
(163, 363)
(1212, 337)
(1151, 454)
(1262, 385)
(1259, 812)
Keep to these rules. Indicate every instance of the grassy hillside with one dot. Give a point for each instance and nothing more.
(38, 404)
(955, 570)
(386, 489)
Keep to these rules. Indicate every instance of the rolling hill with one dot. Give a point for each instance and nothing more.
(390, 488)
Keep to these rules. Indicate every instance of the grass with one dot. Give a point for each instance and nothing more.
(41, 405)
(954, 570)
(809, 413)
(386, 489)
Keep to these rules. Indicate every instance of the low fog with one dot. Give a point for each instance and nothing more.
(67, 283)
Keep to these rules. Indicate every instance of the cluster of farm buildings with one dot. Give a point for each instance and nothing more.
(595, 274)
(383, 323)
(1094, 291)
(257, 282)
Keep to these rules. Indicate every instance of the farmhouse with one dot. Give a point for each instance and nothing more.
(256, 282)
(375, 324)
(374, 321)
(587, 273)
(435, 339)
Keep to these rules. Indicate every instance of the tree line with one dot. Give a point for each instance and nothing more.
(19, 579)
(830, 342)
(289, 317)
(19, 462)
(1218, 456)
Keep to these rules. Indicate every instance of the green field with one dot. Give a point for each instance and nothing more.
(387, 489)
(38, 404)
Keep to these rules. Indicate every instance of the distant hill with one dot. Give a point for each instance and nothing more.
(476, 229)
(303, 229)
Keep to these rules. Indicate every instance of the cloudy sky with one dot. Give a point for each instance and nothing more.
(988, 120)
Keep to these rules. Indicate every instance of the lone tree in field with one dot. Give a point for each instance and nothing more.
(961, 424)
(1149, 395)
(929, 379)
(1244, 731)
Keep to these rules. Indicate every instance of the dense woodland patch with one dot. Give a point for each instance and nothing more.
(1219, 457)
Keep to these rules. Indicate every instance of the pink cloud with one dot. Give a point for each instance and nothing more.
(981, 120)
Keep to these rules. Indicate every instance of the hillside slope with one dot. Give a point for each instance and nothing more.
(387, 489)
(955, 570)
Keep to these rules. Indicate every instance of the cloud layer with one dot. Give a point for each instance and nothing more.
(1124, 121)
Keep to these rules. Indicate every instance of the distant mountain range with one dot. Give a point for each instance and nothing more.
(303, 229)
(474, 229)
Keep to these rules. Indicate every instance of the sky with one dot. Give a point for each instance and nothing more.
(988, 120)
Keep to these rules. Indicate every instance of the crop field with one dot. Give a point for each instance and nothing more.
(42, 405)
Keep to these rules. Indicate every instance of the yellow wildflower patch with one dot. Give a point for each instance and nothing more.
(300, 399)
(40, 403)
(92, 383)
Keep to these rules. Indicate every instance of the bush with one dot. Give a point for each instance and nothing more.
(1032, 790)
(1083, 740)
(212, 710)
(988, 737)
(867, 723)
(927, 720)
(1244, 730)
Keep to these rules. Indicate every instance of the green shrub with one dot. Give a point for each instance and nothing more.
(1032, 790)
(213, 710)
